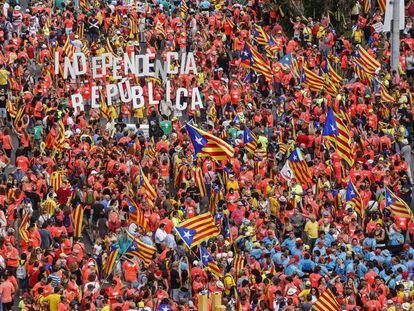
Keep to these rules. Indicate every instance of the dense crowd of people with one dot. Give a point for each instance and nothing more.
(283, 241)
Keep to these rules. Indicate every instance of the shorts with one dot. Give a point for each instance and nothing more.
(410, 73)
(3, 113)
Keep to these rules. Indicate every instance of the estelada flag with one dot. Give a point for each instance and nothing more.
(206, 144)
(197, 229)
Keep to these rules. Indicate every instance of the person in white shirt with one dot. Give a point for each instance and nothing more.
(160, 236)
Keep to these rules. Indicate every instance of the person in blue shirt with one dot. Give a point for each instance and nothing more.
(320, 247)
(293, 268)
(306, 264)
(396, 238)
(256, 251)
(205, 5)
(297, 250)
(356, 248)
(362, 269)
(370, 241)
(290, 241)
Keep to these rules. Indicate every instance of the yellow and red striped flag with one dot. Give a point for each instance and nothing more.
(336, 130)
(83, 4)
(260, 35)
(199, 181)
(24, 233)
(312, 80)
(18, 117)
(362, 75)
(331, 74)
(382, 5)
(250, 140)
(135, 214)
(330, 88)
(85, 49)
(196, 230)
(143, 251)
(180, 170)
(146, 186)
(56, 180)
(77, 221)
(159, 29)
(260, 64)
(80, 31)
(61, 136)
(238, 263)
(366, 60)
(210, 263)
(353, 198)
(326, 302)
(68, 48)
(206, 144)
(11, 109)
(216, 195)
(397, 206)
(110, 261)
(296, 168)
(109, 48)
(183, 8)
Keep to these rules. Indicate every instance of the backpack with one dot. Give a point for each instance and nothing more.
(21, 271)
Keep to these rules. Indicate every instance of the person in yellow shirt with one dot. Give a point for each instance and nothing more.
(229, 281)
(53, 300)
(305, 291)
(311, 230)
(4, 77)
(232, 183)
(357, 35)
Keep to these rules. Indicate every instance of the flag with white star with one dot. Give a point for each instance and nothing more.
(187, 235)
(336, 130)
(208, 262)
(249, 140)
(206, 144)
(330, 128)
(164, 307)
(197, 229)
(353, 198)
(397, 206)
(296, 168)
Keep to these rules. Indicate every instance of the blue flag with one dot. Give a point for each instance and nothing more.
(247, 54)
(186, 234)
(286, 61)
(350, 192)
(164, 307)
(205, 256)
(247, 136)
(198, 140)
(330, 128)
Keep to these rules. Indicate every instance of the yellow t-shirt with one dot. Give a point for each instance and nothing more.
(232, 184)
(4, 76)
(311, 229)
(228, 283)
(297, 192)
(53, 300)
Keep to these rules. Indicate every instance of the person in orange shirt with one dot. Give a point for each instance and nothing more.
(130, 269)
(12, 257)
(7, 143)
(7, 292)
